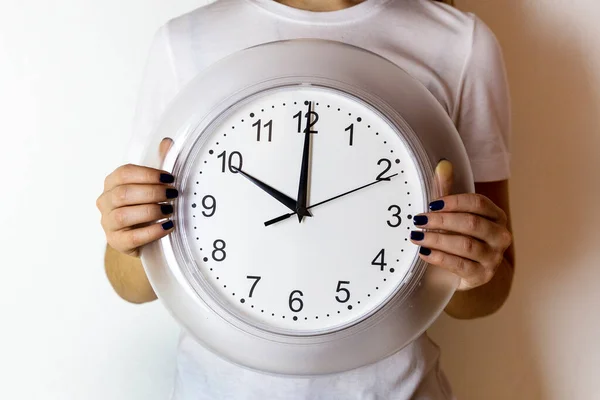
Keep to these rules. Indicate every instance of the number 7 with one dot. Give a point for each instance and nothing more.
(256, 278)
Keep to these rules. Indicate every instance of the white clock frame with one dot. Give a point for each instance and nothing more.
(406, 104)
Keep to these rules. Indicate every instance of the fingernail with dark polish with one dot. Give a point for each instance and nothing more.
(172, 193)
(167, 178)
(425, 251)
(166, 209)
(167, 225)
(436, 205)
(420, 220)
(417, 236)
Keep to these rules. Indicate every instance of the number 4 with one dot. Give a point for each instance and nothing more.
(381, 262)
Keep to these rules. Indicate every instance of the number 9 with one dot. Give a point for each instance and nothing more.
(211, 206)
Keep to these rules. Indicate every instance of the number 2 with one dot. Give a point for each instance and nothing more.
(389, 166)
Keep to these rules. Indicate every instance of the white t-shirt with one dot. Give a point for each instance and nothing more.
(452, 53)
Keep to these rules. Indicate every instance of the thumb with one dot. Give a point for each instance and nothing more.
(164, 147)
(444, 177)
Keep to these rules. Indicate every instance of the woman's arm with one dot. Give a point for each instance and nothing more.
(487, 299)
(127, 277)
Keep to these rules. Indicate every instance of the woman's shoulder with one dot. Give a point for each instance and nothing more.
(430, 15)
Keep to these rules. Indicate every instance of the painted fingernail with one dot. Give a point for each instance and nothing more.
(172, 193)
(167, 178)
(167, 225)
(166, 209)
(436, 205)
(420, 220)
(425, 251)
(417, 236)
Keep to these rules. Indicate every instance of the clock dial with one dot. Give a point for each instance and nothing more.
(358, 185)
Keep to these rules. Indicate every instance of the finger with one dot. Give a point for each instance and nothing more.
(136, 174)
(126, 217)
(131, 195)
(472, 272)
(463, 223)
(458, 245)
(470, 203)
(164, 147)
(444, 177)
(129, 241)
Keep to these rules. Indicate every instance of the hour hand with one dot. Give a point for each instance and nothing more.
(276, 194)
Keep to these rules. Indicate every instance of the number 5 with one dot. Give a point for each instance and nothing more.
(344, 290)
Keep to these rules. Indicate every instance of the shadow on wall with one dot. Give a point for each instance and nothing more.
(554, 159)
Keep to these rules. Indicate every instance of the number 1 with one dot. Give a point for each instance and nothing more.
(351, 129)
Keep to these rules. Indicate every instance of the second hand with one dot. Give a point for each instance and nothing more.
(286, 216)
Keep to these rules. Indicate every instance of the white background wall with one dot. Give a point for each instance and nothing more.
(69, 75)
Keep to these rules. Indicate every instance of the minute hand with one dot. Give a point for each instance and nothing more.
(286, 216)
(301, 209)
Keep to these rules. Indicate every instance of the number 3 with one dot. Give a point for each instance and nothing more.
(396, 215)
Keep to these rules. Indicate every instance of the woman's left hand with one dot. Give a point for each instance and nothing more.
(467, 234)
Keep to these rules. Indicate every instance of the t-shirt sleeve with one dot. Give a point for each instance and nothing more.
(483, 117)
(158, 88)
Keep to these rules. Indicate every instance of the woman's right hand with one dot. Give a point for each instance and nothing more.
(130, 206)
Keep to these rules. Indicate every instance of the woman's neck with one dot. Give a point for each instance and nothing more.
(320, 5)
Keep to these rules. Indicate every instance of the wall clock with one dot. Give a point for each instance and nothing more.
(301, 165)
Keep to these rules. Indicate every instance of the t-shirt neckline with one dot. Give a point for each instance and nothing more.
(358, 11)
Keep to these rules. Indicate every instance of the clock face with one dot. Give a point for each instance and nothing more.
(346, 255)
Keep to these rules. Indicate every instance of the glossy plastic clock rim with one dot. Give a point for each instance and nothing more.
(344, 68)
